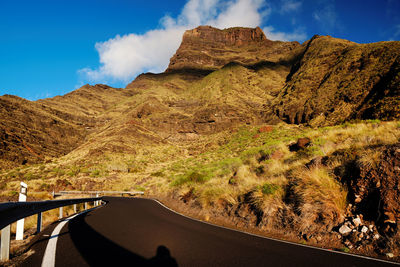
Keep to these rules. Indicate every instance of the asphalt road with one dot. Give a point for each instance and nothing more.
(141, 232)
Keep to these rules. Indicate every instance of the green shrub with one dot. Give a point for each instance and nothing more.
(193, 176)
(269, 189)
(95, 173)
(58, 172)
(345, 249)
(30, 176)
(140, 188)
(197, 177)
(73, 171)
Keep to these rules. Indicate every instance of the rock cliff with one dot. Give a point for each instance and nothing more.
(206, 47)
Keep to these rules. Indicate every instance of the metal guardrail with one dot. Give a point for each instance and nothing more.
(98, 193)
(13, 211)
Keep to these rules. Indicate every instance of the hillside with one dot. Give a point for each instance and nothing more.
(290, 140)
(336, 80)
(33, 132)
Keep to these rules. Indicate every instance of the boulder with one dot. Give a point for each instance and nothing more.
(357, 221)
(389, 255)
(301, 143)
(344, 230)
(364, 229)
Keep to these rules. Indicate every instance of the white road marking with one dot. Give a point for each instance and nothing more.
(274, 239)
(49, 257)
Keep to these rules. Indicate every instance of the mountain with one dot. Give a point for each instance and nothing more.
(208, 48)
(33, 132)
(294, 140)
(335, 80)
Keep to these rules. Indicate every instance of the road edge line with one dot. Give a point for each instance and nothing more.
(275, 239)
(49, 256)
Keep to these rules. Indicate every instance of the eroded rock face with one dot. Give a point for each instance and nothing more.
(233, 36)
(206, 47)
(375, 189)
(379, 189)
(335, 80)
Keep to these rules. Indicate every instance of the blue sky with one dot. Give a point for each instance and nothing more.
(49, 48)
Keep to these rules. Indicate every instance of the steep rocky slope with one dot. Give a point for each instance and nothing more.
(335, 80)
(31, 133)
(224, 133)
(209, 48)
(37, 131)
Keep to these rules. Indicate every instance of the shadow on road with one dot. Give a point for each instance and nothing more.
(98, 250)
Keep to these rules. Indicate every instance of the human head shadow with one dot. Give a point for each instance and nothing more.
(98, 250)
(163, 258)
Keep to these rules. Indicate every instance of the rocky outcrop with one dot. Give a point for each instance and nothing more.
(206, 47)
(375, 189)
(335, 80)
(355, 233)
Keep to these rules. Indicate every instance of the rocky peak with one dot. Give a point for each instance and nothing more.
(210, 48)
(237, 36)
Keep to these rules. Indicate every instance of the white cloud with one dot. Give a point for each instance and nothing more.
(124, 57)
(289, 6)
(272, 34)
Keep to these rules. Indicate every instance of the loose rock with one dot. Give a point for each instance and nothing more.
(364, 229)
(357, 222)
(344, 230)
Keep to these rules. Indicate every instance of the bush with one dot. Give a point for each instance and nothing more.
(269, 189)
(30, 176)
(192, 176)
(95, 173)
(73, 171)
(140, 188)
(196, 177)
(345, 249)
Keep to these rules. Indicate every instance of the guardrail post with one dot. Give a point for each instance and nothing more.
(19, 235)
(74, 208)
(96, 203)
(39, 223)
(61, 213)
(85, 205)
(5, 243)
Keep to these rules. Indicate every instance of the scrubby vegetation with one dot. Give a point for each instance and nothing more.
(215, 139)
(253, 167)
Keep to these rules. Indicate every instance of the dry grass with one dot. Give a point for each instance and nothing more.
(221, 168)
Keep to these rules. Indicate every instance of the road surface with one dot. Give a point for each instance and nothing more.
(142, 232)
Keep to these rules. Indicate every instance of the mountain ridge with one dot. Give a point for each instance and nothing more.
(284, 138)
(295, 82)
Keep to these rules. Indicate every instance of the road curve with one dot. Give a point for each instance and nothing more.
(141, 232)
